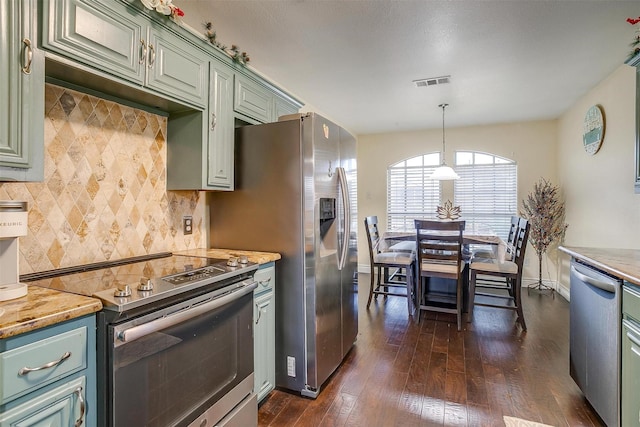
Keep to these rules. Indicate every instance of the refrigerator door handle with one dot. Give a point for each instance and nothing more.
(344, 191)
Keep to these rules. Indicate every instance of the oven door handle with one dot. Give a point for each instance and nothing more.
(140, 331)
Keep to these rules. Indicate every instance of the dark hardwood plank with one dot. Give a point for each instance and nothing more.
(408, 374)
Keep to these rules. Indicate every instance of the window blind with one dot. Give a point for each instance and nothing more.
(410, 195)
(487, 194)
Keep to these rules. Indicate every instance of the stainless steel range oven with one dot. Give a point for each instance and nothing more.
(175, 340)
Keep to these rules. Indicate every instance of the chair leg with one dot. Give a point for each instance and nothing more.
(459, 304)
(517, 290)
(409, 280)
(472, 295)
(371, 285)
(418, 295)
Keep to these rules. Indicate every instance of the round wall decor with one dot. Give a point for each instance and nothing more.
(593, 129)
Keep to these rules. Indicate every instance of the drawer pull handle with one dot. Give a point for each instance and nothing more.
(152, 55)
(80, 420)
(259, 314)
(265, 282)
(143, 56)
(29, 56)
(214, 121)
(26, 370)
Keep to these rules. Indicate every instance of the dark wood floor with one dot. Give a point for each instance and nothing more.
(401, 373)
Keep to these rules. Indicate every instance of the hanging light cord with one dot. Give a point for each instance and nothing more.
(443, 106)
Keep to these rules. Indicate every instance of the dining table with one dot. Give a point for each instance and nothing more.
(473, 235)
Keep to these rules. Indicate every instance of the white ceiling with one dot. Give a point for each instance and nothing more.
(356, 60)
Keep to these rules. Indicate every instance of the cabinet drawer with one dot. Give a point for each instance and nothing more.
(251, 99)
(265, 278)
(64, 405)
(46, 352)
(631, 301)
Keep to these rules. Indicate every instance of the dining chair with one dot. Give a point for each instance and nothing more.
(439, 246)
(402, 262)
(489, 255)
(502, 279)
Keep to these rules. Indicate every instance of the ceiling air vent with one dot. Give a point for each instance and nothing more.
(432, 81)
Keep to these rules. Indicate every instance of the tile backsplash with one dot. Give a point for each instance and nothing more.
(104, 193)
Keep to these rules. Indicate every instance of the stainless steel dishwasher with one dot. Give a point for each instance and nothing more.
(630, 405)
(595, 330)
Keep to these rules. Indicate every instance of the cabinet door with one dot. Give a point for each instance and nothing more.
(630, 405)
(220, 125)
(176, 68)
(264, 345)
(62, 406)
(282, 107)
(105, 35)
(252, 99)
(21, 93)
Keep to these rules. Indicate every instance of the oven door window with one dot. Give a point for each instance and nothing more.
(172, 375)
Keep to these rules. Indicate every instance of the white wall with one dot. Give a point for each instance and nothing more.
(602, 208)
(532, 145)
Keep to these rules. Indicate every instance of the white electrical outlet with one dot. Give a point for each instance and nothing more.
(291, 366)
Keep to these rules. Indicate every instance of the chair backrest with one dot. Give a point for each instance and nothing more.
(520, 243)
(373, 235)
(511, 239)
(439, 241)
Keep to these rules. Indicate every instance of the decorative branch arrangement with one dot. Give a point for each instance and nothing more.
(545, 213)
(635, 44)
(234, 52)
(448, 211)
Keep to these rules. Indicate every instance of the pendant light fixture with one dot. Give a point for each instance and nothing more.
(443, 172)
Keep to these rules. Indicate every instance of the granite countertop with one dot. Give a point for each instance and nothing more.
(622, 263)
(253, 256)
(42, 307)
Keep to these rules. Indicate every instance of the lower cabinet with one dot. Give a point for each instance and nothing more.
(264, 332)
(48, 376)
(63, 406)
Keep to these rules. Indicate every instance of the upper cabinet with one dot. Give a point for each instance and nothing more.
(635, 62)
(21, 93)
(112, 38)
(121, 50)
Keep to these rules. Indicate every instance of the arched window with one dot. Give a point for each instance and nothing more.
(487, 189)
(410, 192)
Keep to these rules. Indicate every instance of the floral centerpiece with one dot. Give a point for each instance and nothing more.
(165, 7)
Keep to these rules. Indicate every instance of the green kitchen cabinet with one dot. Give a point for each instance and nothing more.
(123, 42)
(220, 129)
(264, 333)
(282, 107)
(21, 93)
(252, 99)
(48, 376)
(200, 151)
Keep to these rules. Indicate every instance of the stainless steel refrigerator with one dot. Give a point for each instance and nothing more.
(295, 194)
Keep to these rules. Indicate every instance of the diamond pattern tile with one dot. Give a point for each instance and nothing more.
(104, 195)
